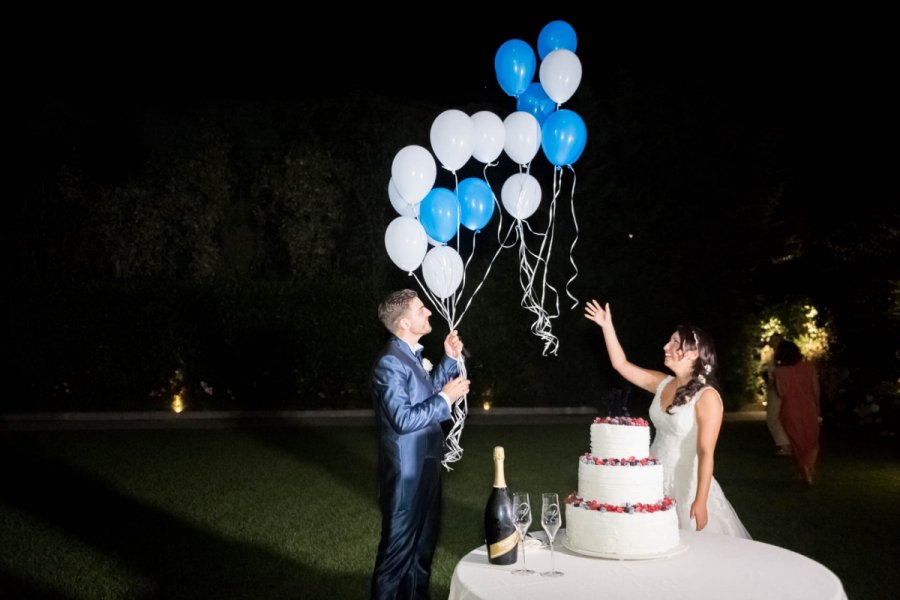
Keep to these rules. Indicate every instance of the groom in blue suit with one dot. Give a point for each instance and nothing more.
(410, 404)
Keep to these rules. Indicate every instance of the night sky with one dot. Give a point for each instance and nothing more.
(89, 83)
(771, 79)
(444, 56)
(762, 77)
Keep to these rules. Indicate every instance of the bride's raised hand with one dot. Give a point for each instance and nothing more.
(598, 314)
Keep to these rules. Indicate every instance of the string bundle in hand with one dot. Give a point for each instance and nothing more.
(460, 410)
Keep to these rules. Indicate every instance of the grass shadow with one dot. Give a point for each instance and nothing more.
(171, 557)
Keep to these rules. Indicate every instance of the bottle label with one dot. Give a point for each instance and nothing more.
(503, 546)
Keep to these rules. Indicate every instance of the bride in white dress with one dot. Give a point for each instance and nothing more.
(687, 413)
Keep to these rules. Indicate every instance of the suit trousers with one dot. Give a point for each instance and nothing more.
(409, 536)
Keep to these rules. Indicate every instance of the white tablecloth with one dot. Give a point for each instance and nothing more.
(713, 566)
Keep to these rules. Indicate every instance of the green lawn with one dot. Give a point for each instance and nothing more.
(290, 512)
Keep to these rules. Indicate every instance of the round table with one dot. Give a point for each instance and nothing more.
(712, 566)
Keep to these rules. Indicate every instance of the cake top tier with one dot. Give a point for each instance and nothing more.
(632, 421)
(611, 439)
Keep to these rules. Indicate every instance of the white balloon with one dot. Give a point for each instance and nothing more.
(521, 195)
(413, 172)
(523, 137)
(560, 74)
(453, 138)
(443, 271)
(489, 136)
(406, 242)
(403, 208)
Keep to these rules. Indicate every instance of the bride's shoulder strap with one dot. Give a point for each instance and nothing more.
(700, 392)
(662, 383)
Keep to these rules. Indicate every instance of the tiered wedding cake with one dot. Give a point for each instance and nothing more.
(619, 508)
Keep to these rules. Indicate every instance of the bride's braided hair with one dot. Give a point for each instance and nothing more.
(704, 372)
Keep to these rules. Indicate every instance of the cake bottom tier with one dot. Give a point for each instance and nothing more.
(614, 533)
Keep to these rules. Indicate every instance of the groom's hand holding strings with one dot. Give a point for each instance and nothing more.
(456, 388)
(453, 345)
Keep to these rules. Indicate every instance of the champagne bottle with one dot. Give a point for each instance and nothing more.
(500, 534)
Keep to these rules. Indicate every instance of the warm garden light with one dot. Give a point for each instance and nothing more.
(177, 403)
(813, 340)
(486, 398)
(800, 323)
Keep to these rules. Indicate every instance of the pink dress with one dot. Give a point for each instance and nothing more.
(797, 385)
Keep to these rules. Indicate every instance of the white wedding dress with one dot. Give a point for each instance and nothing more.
(675, 444)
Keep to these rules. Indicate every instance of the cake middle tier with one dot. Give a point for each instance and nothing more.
(618, 484)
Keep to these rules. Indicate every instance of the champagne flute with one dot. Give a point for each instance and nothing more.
(522, 517)
(551, 519)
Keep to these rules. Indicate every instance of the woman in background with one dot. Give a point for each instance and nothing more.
(773, 403)
(797, 383)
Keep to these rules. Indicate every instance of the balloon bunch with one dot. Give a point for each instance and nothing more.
(561, 134)
(433, 216)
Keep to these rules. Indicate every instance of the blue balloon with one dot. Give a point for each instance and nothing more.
(556, 35)
(514, 65)
(476, 203)
(536, 101)
(439, 214)
(563, 137)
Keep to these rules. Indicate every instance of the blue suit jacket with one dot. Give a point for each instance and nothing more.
(409, 412)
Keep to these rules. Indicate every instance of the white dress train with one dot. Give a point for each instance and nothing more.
(675, 444)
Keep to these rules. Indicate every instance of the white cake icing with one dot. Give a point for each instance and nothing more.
(622, 534)
(620, 484)
(619, 508)
(619, 441)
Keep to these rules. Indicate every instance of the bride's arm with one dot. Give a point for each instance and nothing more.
(643, 378)
(709, 421)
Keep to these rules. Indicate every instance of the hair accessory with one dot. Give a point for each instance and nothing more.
(707, 368)
(701, 379)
